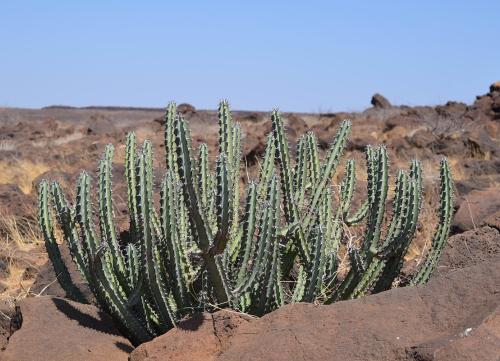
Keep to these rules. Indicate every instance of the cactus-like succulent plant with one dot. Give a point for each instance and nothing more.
(205, 248)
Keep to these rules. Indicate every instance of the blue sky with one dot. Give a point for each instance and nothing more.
(298, 56)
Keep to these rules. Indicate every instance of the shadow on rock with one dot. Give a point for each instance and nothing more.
(192, 323)
(125, 347)
(83, 319)
(62, 330)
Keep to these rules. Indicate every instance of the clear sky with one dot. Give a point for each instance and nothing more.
(296, 55)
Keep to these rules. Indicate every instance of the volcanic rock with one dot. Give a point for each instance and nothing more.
(422, 138)
(495, 87)
(57, 329)
(186, 108)
(66, 180)
(380, 327)
(202, 337)
(47, 284)
(476, 206)
(469, 249)
(481, 343)
(476, 167)
(15, 201)
(379, 101)
(400, 324)
(493, 221)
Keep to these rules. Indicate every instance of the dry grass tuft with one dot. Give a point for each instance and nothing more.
(68, 138)
(21, 172)
(21, 255)
(426, 227)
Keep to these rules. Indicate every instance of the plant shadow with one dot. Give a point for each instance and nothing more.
(103, 323)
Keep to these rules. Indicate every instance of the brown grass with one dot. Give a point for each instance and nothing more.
(21, 255)
(22, 173)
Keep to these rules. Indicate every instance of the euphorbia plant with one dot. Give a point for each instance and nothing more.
(204, 248)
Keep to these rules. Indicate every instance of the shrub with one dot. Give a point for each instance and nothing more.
(202, 251)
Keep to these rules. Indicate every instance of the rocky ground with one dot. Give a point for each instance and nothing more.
(454, 317)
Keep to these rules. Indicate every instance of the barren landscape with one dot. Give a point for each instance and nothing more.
(456, 316)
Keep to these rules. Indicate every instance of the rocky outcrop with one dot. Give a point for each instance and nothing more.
(487, 105)
(66, 180)
(385, 326)
(453, 317)
(57, 329)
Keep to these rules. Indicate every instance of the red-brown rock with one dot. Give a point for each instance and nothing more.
(57, 329)
(475, 208)
(480, 343)
(15, 201)
(379, 101)
(202, 337)
(400, 324)
(380, 327)
(493, 221)
(468, 249)
(186, 109)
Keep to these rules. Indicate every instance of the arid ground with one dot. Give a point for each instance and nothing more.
(56, 143)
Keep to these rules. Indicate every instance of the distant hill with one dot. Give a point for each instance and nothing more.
(106, 107)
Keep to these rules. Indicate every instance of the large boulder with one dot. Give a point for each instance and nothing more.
(421, 138)
(401, 324)
(465, 186)
(476, 167)
(57, 329)
(475, 207)
(385, 326)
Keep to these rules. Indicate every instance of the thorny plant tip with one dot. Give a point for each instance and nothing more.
(200, 251)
